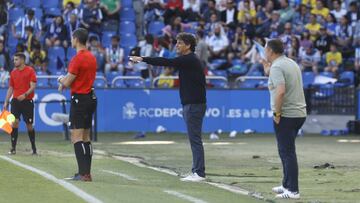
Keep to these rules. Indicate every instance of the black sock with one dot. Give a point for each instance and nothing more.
(14, 137)
(80, 153)
(32, 140)
(89, 152)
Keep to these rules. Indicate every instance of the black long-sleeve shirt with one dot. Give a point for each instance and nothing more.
(191, 76)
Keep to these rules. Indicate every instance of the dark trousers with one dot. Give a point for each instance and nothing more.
(286, 132)
(193, 116)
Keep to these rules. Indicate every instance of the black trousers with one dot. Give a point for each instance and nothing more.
(286, 132)
(193, 116)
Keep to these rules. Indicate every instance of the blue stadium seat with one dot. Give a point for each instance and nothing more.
(54, 52)
(133, 73)
(100, 83)
(15, 13)
(324, 91)
(111, 75)
(126, 3)
(32, 3)
(218, 83)
(38, 13)
(155, 28)
(53, 11)
(128, 40)
(70, 53)
(327, 74)
(18, 3)
(347, 77)
(127, 27)
(12, 41)
(220, 73)
(191, 29)
(249, 83)
(106, 38)
(42, 82)
(135, 83)
(308, 79)
(216, 63)
(119, 84)
(127, 14)
(50, 4)
(255, 73)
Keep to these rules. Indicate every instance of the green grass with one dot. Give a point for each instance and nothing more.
(231, 162)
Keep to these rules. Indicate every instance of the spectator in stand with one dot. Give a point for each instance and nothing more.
(114, 56)
(71, 26)
(246, 10)
(322, 43)
(309, 59)
(229, 16)
(343, 34)
(221, 5)
(4, 18)
(357, 63)
(202, 49)
(333, 60)
(338, 12)
(320, 9)
(331, 24)
(305, 39)
(20, 48)
(97, 51)
(30, 38)
(139, 15)
(275, 25)
(293, 52)
(173, 8)
(286, 37)
(166, 83)
(228, 63)
(38, 58)
(4, 58)
(309, 3)
(111, 9)
(353, 15)
(69, 10)
(218, 43)
(286, 11)
(91, 17)
(261, 16)
(28, 20)
(146, 50)
(210, 26)
(154, 10)
(356, 36)
(300, 19)
(175, 27)
(210, 10)
(313, 27)
(192, 10)
(57, 33)
(241, 43)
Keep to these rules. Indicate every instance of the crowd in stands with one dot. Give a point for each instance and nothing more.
(323, 36)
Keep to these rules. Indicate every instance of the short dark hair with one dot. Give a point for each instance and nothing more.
(81, 34)
(115, 37)
(20, 55)
(276, 45)
(188, 39)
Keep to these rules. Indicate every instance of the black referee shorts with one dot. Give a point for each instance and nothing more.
(24, 108)
(82, 108)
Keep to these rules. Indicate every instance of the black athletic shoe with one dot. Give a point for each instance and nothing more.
(12, 152)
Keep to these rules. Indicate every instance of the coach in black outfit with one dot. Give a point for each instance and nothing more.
(192, 95)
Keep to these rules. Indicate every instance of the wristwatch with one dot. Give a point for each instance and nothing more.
(277, 114)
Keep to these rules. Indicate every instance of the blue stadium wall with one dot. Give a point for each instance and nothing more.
(124, 110)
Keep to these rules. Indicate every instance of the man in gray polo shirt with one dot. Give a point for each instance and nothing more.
(289, 107)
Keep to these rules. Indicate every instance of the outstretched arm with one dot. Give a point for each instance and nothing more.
(157, 61)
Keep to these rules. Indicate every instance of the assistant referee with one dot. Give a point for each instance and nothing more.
(289, 107)
(192, 95)
(80, 78)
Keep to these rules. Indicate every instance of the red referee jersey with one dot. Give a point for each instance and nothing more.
(83, 65)
(20, 81)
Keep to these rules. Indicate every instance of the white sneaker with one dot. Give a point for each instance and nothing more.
(278, 190)
(288, 195)
(194, 177)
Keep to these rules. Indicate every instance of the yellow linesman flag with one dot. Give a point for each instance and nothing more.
(6, 120)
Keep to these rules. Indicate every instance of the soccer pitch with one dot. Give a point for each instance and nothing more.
(121, 170)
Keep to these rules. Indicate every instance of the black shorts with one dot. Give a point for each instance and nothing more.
(24, 108)
(82, 108)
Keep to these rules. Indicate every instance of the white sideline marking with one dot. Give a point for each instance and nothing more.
(70, 187)
(184, 197)
(121, 175)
